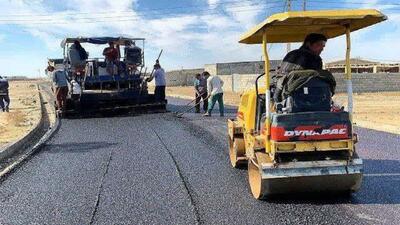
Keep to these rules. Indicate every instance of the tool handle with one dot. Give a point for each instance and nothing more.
(157, 61)
(202, 100)
(180, 111)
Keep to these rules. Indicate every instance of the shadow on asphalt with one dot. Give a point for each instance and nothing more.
(77, 147)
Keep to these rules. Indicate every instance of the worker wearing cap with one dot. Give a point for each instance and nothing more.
(4, 97)
(214, 88)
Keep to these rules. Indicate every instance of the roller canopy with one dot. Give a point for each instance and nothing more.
(99, 40)
(295, 25)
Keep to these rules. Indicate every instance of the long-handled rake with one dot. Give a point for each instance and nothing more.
(183, 108)
(181, 113)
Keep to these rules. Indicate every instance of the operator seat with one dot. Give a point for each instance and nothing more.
(308, 91)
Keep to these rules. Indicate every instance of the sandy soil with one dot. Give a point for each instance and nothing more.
(24, 111)
(379, 111)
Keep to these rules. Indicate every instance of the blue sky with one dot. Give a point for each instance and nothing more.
(191, 32)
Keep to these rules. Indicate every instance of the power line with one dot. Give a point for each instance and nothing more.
(116, 16)
(128, 11)
(283, 10)
(353, 3)
(336, 4)
(120, 18)
(333, 4)
(344, 7)
(163, 10)
(181, 7)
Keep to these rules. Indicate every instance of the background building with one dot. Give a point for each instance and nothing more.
(359, 65)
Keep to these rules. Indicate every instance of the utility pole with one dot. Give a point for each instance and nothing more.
(304, 5)
(289, 6)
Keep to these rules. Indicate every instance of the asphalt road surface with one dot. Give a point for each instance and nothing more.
(158, 169)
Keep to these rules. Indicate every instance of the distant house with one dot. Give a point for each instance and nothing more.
(359, 65)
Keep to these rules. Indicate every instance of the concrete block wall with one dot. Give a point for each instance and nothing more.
(240, 82)
(240, 68)
(361, 82)
(364, 82)
(252, 67)
(368, 82)
(211, 68)
(183, 77)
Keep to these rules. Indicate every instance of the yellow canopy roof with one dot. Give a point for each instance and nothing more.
(295, 25)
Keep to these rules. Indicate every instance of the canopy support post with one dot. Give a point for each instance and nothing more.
(267, 84)
(348, 74)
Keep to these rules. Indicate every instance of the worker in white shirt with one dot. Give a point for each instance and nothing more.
(214, 87)
(159, 77)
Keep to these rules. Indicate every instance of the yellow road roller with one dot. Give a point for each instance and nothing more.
(292, 151)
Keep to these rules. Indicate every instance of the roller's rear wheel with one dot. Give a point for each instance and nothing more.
(237, 153)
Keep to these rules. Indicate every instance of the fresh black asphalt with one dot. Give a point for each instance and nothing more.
(159, 169)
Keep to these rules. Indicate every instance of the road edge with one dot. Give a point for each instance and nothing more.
(29, 138)
(10, 149)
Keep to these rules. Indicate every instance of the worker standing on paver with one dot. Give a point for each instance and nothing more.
(112, 55)
(60, 84)
(200, 86)
(159, 77)
(4, 96)
(215, 93)
(77, 57)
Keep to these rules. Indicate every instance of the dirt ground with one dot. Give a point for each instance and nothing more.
(24, 111)
(379, 111)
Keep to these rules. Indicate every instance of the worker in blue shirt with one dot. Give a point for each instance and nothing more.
(60, 84)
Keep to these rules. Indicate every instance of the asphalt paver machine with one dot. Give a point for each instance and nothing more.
(93, 89)
(296, 152)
